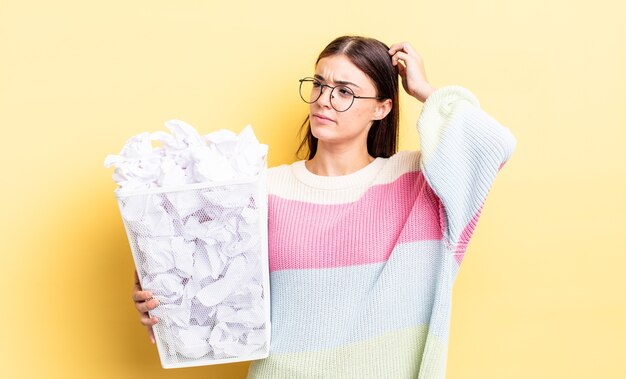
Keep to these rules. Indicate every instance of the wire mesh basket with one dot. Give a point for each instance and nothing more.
(202, 251)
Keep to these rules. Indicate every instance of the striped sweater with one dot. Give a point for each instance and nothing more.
(362, 265)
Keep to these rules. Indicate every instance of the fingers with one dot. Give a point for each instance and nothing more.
(145, 306)
(151, 334)
(406, 58)
(411, 68)
(144, 301)
(402, 46)
(396, 47)
(148, 321)
(403, 52)
(139, 295)
(400, 56)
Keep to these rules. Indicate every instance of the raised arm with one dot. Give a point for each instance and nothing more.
(462, 147)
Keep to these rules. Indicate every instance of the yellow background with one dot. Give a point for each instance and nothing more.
(541, 292)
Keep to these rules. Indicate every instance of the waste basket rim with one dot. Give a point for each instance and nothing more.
(120, 192)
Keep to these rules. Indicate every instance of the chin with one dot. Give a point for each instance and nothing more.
(323, 133)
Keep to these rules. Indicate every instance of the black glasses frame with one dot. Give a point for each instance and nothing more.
(332, 89)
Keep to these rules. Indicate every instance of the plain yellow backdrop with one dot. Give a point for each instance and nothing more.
(541, 292)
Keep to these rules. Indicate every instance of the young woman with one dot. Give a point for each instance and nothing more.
(365, 242)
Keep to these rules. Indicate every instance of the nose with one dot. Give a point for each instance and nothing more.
(324, 99)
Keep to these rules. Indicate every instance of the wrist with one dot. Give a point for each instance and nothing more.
(423, 93)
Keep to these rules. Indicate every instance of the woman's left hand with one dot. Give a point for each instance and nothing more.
(411, 69)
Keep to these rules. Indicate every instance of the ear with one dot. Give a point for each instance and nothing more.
(383, 109)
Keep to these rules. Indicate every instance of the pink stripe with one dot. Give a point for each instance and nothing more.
(305, 235)
(468, 231)
(466, 235)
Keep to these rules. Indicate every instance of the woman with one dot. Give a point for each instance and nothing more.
(364, 242)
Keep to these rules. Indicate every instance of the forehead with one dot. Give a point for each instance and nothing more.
(338, 68)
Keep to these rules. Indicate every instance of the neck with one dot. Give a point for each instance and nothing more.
(338, 160)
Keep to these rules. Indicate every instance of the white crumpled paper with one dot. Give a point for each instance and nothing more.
(198, 250)
(186, 157)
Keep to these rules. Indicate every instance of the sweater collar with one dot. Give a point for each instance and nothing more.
(362, 177)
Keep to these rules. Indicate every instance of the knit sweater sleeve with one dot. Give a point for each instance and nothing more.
(462, 149)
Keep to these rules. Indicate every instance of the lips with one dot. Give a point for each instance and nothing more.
(322, 118)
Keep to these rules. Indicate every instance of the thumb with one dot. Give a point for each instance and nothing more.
(401, 69)
(151, 334)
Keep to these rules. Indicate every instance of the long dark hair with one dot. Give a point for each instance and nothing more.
(372, 57)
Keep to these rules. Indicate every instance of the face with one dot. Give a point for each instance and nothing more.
(351, 126)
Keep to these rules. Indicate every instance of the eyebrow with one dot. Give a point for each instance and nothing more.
(343, 82)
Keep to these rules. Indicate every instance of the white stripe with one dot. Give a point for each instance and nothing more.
(283, 183)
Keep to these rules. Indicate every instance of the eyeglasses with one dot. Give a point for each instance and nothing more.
(341, 96)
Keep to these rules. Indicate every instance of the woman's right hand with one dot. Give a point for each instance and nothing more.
(144, 303)
(411, 69)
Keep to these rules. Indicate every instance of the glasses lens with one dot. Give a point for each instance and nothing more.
(341, 98)
(309, 90)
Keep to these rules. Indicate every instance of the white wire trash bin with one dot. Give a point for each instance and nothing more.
(202, 251)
